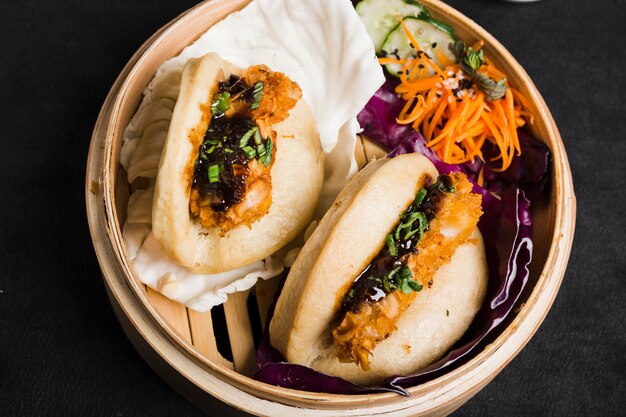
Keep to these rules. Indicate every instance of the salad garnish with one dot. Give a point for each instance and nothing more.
(462, 106)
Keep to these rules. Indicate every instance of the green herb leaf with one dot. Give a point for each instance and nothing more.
(246, 136)
(257, 94)
(458, 50)
(220, 104)
(214, 173)
(471, 61)
(474, 59)
(493, 90)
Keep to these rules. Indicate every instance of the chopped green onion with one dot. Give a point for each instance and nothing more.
(221, 103)
(249, 151)
(257, 137)
(422, 224)
(246, 136)
(446, 189)
(266, 157)
(405, 287)
(406, 283)
(415, 286)
(210, 150)
(228, 150)
(261, 151)
(389, 282)
(214, 173)
(391, 245)
(420, 197)
(406, 221)
(257, 94)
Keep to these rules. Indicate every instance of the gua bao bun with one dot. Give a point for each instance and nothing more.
(412, 316)
(211, 214)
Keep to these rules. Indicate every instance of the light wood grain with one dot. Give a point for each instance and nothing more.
(372, 150)
(265, 290)
(203, 336)
(359, 152)
(240, 333)
(174, 342)
(173, 313)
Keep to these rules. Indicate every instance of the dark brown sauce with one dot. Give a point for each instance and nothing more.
(232, 163)
(369, 287)
(220, 149)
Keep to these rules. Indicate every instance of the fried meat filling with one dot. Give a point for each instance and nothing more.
(232, 183)
(370, 314)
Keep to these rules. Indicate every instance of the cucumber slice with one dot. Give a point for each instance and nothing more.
(381, 16)
(431, 38)
(426, 17)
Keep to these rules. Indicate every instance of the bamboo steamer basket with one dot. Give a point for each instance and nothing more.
(183, 346)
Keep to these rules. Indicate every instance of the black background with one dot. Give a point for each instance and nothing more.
(62, 352)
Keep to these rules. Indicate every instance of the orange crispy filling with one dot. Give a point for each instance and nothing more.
(279, 96)
(255, 204)
(457, 216)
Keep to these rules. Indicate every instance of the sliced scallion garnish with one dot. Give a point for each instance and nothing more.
(266, 158)
(420, 197)
(257, 94)
(249, 151)
(220, 104)
(246, 136)
(257, 137)
(214, 173)
(391, 245)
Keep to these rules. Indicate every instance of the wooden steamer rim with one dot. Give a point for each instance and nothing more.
(173, 357)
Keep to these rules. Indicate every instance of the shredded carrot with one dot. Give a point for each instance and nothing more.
(385, 61)
(457, 122)
(416, 46)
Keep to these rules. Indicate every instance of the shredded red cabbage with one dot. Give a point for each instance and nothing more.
(506, 228)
